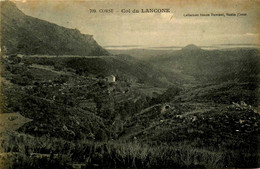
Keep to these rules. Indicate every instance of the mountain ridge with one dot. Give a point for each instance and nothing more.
(28, 35)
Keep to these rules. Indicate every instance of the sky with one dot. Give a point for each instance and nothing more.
(153, 29)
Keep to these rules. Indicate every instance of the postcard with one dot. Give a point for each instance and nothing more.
(129, 84)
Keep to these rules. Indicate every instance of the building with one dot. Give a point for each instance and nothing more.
(111, 78)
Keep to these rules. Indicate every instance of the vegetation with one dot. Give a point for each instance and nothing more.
(81, 119)
(186, 109)
(30, 152)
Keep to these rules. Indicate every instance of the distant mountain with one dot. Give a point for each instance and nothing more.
(191, 47)
(28, 35)
(212, 65)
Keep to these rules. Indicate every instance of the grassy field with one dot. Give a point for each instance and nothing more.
(28, 152)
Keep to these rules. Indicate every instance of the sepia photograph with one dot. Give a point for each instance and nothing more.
(127, 84)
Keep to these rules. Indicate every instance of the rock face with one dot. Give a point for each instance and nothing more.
(28, 35)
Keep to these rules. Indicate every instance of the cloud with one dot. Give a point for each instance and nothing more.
(252, 34)
(23, 1)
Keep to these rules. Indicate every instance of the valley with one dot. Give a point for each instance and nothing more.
(73, 100)
(78, 105)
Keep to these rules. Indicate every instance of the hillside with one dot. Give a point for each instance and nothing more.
(191, 47)
(188, 108)
(28, 35)
(193, 65)
(211, 65)
(125, 68)
(70, 104)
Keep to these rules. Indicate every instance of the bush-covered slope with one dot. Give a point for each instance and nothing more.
(131, 71)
